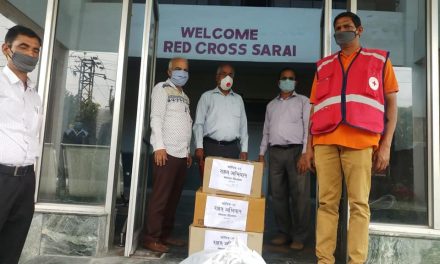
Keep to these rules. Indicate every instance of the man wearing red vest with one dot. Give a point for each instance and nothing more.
(352, 121)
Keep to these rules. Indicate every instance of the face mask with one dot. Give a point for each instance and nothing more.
(287, 85)
(179, 77)
(226, 83)
(23, 62)
(344, 37)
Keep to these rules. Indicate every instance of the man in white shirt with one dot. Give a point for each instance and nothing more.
(20, 120)
(220, 128)
(170, 138)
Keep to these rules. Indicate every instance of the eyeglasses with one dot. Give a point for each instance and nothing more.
(287, 78)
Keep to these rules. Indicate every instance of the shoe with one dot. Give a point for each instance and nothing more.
(156, 247)
(174, 242)
(280, 239)
(296, 245)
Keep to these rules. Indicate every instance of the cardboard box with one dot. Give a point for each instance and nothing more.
(201, 238)
(229, 212)
(232, 177)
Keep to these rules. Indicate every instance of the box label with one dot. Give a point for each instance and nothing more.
(221, 239)
(226, 213)
(231, 176)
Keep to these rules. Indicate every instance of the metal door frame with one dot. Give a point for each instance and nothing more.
(133, 233)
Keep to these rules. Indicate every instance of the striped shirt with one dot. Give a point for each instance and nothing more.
(20, 120)
(170, 120)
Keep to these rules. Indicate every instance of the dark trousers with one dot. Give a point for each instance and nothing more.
(290, 192)
(16, 211)
(168, 181)
(231, 151)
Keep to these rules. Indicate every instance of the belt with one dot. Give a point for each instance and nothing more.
(223, 143)
(16, 170)
(288, 146)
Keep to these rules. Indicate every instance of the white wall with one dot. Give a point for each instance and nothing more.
(34, 9)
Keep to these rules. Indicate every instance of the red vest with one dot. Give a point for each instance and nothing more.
(355, 98)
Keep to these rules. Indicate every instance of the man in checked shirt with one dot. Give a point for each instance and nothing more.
(20, 121)
(170, 137)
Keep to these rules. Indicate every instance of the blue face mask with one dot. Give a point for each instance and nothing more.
(179, 77)
(287, 85)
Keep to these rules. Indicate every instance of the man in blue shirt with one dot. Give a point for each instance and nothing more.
(220, 127)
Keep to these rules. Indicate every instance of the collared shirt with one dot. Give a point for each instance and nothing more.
(20, 120)
(221, 117)
(170, 120)
(286, 122)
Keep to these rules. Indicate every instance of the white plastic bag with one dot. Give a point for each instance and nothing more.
(234, 253)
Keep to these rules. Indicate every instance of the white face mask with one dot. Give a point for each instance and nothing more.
(226, 83)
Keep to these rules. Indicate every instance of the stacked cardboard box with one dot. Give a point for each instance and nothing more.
(230, 206)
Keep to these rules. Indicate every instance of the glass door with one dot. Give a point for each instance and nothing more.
(138, 188)
(81, 84)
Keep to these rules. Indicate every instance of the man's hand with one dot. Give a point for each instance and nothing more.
(199, 154)
(261, 159)
(160, 157)
(309, 158)
(381, 158)
(302, 166)
(243, 155)
(189, 160)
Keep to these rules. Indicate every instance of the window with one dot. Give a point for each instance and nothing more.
(80, 109)
(400, 195)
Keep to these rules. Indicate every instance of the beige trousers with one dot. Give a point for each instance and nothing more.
(334, 163)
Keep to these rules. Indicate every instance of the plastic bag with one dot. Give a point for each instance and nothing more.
(235, 253)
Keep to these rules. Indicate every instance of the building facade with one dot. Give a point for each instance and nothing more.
(99, 62)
